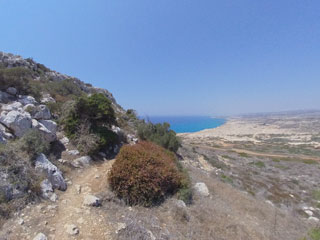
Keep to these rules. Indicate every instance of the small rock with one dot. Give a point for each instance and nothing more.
(20, 221)
(314, 219)
(73, 152)
(91, 200)
(78, 188)
(309, 213)
(12, 90)
(52, 207)
(40, 236)
(202, 189)
(81, 162)
(62, 161)
(71, 229)
(120, 227)
(53, 197)
(269, 202)
(64, 140)
(181, 204)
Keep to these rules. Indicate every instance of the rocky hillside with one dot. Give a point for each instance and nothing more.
(32, 140)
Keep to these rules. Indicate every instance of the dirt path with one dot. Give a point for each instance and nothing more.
(52, 218)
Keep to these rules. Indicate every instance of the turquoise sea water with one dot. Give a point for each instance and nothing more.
(189, 124)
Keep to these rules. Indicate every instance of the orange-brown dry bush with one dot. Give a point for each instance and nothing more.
(145, 174)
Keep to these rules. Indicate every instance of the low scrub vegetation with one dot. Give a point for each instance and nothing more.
(17, 164)
(21, 79)
(88, 123)
(159, 134)
(146, 173)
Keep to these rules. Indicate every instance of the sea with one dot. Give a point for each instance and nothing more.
(188, 124)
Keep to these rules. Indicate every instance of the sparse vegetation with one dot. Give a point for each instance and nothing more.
(313, 234)
(21, 79)
(145, 174)
(33, 143)
(215, 162)
(159, 134)
(258, 164)
(242, 154)
(226, 179)
(88, 123)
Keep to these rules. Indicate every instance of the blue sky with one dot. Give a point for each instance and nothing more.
(177, 57)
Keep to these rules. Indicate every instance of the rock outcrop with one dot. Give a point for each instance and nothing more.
(18, 122)
(53, 174)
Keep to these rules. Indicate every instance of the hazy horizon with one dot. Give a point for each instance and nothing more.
(207, 58)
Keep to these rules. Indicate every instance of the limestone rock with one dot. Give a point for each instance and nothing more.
(27, 100)
(50, 125)
(40, 236)
(53, 173)
(65, 140)
(42, 113)
(202, 189)
(30, 108)
(17, 106)
(81, 162)
(47, 134)
(91, 200)
(313, 219)
(47, 99)
(18, 122)
(46, 188)
(71, 229)
(4, 134)
(73, 152)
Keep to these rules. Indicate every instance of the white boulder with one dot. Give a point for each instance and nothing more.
(27, 100)
(18, 122)
(15, 106)
(4, 134)
(53, 173)
(47, 99)
(91, 201)
(65, 141)
(74, 152)
(40, 236)
(50, 125)
(30, 108)
(47, 134)
(42, 113)
(202, 189)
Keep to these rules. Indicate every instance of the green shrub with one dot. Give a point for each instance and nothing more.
(145, 174)
(33, 143)
(159, 134)
(89, 119)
